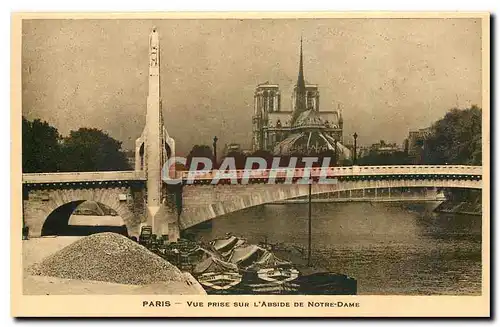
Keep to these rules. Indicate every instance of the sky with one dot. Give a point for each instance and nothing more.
(388, 75)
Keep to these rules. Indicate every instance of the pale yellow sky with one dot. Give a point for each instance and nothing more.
(390, 75)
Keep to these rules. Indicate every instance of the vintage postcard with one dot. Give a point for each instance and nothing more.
(251, 165)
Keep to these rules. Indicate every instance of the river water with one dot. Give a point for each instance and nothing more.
(390, 248)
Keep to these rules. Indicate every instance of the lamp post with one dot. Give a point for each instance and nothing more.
(309, 247)
(335, 151)
(355, 154)
(215, 150)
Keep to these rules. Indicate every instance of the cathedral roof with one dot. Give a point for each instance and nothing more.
(310, 142)
(309, 119)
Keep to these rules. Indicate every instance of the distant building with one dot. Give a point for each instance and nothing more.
(303, 128)
(416, 144)
(385, 148)
(361, 150)
(416, 139)
(232, 147)
(405, 146)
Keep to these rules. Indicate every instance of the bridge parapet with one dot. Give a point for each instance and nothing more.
(78, 177)
(443, 170)
(417, 170)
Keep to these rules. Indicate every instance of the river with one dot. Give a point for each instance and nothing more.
(390, 248)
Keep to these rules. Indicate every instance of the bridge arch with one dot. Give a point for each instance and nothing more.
(46, 212)
(58, 223)
(206, 202)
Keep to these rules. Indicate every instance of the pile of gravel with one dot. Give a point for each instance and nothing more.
(108, 257)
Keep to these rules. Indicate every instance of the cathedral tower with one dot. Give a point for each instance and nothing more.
(300, 92)
(267, 99)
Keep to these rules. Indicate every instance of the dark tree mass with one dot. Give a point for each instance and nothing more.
(87, 149)
(41, 147)
(374, 158)
(456, 138)
(199, 151)
(90, 149)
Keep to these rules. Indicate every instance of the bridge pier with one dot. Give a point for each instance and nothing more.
(165, 222)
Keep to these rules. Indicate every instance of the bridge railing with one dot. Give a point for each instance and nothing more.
(40, 178)
(259, 173)
(336, 171)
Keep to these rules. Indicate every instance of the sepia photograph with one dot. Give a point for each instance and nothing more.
(304, 161)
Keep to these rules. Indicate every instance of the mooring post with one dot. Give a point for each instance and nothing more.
(178, 199)
(310, 225)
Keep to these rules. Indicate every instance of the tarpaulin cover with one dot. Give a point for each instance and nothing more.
(212, 264)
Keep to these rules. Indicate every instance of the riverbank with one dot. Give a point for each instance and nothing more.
(466, 203)
(463, 208)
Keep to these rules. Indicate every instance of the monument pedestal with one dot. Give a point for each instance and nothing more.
(164, 221)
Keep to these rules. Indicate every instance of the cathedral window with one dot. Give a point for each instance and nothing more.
(310, 100)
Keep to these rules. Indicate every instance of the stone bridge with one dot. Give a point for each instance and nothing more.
(202, 201)
(49, 199)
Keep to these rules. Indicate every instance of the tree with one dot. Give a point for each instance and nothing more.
(374, 158)
(328, 154)
(90, 149)
(264, 154)
(199, 151)
(41, 148)
(238, 157)
(456, 138)
(87, 149)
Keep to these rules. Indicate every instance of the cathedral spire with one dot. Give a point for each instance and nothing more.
(300, 90)
(300, 80)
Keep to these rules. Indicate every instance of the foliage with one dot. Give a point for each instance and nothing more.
(374, 158)
(456, 138)
(200, 151)
(87, 149)
(41, 148)
(239, 158)
(90, 149)
(264, 154)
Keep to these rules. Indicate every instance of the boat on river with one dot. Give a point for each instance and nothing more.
(225, 246)
(327, 283)
(262, 272)
(231, 265)
(217, 276)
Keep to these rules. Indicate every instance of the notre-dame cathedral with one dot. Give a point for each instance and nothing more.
(301, 129)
